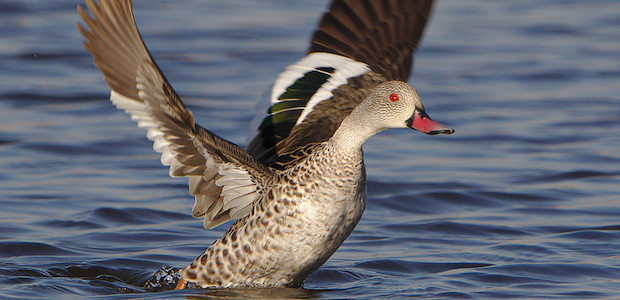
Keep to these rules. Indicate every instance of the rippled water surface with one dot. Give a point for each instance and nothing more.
(523, 201)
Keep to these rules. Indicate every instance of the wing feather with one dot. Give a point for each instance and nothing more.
(380, 33)
(140, 89)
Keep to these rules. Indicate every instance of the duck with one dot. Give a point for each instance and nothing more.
(298, 189)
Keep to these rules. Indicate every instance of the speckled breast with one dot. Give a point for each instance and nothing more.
(297, 225)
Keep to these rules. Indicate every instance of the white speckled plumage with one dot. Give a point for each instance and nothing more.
(301, 189)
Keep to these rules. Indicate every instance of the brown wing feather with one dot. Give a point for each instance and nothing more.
(380, 33)
(115, 43)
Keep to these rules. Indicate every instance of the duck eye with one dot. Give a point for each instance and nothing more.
(393, 97)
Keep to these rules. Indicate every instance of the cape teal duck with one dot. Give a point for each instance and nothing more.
(299, 188)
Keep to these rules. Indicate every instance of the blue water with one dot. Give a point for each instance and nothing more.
(523, 201)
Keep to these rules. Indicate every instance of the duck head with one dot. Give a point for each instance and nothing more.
(392, 104)
(396, 104)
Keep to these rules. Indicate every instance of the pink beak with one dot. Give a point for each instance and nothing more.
(420, 121)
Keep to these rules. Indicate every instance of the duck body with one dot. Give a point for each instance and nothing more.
(299, 189)
(297, 224)
(310, 207)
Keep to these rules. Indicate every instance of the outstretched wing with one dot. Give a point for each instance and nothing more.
(358, 44)
(225, 180)
(381, 33)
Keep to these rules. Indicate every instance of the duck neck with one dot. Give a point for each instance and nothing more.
(352, 133)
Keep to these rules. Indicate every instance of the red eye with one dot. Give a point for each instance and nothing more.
(393, 97)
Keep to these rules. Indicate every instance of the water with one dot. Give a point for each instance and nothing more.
(523, 201)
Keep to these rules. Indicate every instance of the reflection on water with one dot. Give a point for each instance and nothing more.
(521, 202)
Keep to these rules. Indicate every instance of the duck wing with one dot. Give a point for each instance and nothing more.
(358, 45)
(380, 33)
(225, 180)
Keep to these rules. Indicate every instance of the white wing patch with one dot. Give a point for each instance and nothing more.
(344, 68)
(139, 113)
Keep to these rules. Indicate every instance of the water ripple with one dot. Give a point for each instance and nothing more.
(522, 202)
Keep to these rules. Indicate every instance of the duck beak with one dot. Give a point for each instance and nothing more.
(420, 121)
